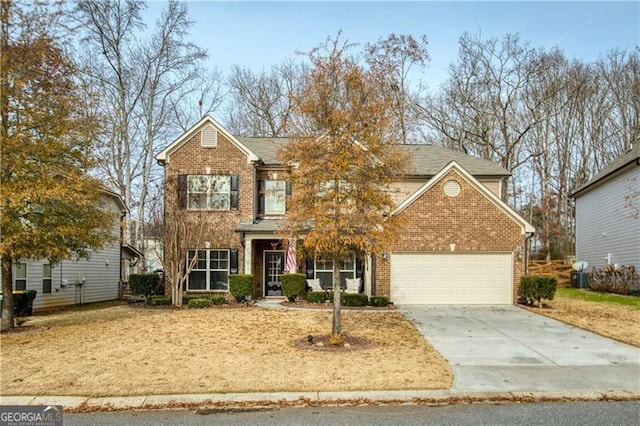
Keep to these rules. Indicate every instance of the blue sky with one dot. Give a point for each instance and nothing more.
(259, 34)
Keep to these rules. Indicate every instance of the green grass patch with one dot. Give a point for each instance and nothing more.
(594, 296)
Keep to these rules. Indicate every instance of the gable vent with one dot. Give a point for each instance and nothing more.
(209, 137)
(452, 188)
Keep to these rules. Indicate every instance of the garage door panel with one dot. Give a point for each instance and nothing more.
(452, 278)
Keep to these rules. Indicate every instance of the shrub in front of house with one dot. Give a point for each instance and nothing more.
(316, 297)
(241, 286)
(218, 300)
(537, 287)
(348, 299)
(200, 303)
(379, 301)
(619, 280)
(143, 284)
(158, 300)
(293, 286)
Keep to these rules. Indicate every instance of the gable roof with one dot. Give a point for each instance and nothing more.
(632, 155)
(207, 120)
(427, 159)
(493, 198)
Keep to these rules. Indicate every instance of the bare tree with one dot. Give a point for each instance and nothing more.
(140, 78)
(198, 97)
(393, 59)
(261, 102)
(183, 230)
(487, 105)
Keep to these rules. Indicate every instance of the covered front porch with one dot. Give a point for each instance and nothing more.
(265, 257)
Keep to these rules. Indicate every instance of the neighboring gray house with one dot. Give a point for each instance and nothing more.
(80, 281)
(608, 214)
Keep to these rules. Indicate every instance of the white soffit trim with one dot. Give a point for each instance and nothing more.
(207, 120)
(526, 226)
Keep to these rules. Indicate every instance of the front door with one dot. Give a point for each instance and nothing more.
(273, 269)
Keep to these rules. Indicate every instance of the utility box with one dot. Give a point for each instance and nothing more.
(579, 279)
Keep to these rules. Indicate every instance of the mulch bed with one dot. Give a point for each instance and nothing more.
(303, 304)
(321, 343)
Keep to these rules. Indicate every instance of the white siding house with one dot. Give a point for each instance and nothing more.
(608, 214)
(78, 281)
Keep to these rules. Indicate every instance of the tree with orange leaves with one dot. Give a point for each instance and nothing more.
(50, 208)
(344, 165)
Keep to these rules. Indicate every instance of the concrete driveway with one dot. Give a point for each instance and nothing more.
(508, 349)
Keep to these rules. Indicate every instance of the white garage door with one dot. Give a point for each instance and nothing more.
(452, 278)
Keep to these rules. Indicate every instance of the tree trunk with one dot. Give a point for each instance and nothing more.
(7, 292)
(337, 322)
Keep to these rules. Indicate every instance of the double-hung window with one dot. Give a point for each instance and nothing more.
(46, 278)
(208, 192)
(20, 277)
(324, 270)
(275, 192)
(210, 272)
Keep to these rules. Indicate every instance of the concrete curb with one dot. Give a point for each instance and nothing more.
(191, 401)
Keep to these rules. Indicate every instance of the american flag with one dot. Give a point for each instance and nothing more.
(291, 264)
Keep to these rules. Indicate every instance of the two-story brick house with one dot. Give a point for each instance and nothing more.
(460, 242)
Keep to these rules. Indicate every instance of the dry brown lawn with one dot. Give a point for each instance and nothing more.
(131, 351)
(618, 322)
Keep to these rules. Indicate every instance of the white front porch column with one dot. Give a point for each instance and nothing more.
(248, 255)
(367, 275)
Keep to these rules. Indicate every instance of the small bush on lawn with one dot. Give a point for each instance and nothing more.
(379, 301)
(348, 299)
(293, 286)
(199, 303)
(537, 288)
(316, 297)
(143, 284)
(621, 280)
(241, 286)
(218, 300)
(158, 300)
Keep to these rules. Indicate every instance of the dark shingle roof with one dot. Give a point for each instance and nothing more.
(265, 148)
(629, 157)
(430, 159)
(427, 159)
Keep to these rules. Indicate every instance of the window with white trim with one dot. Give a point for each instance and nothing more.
(211, 271)
(275, 196)
(46, 278)
(209, 192)
(324, 270)
(20, 276)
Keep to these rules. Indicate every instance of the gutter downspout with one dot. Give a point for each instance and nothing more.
(527, 251)
(121, 290)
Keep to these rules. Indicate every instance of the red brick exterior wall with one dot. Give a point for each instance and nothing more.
(470, 220)
(224, 159)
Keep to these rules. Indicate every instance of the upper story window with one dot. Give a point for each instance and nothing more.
(275, 196)
(272, 196)
(208, 192)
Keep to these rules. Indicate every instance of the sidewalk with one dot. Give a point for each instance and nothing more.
(231, 400)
